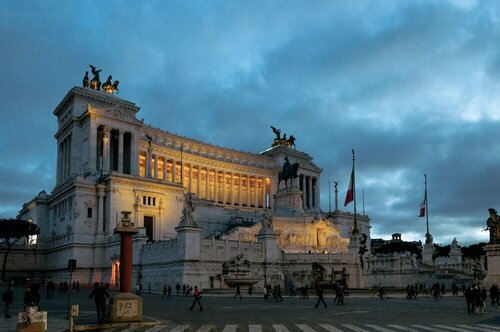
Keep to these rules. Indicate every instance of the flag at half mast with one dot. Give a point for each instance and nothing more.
(423, 205)
(349, 197)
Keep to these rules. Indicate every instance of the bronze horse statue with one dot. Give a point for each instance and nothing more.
(289, 173)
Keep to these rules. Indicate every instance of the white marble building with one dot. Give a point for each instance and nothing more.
(109, 161)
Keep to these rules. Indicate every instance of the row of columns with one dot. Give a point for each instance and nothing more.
(237, 189)
(310, 190)
(64, 159)
(106, 151)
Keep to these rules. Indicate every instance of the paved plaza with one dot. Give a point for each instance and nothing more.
(223, 313)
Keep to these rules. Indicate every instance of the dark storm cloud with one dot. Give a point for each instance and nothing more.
(412, 86)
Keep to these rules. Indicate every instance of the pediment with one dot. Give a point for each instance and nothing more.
(117, 114)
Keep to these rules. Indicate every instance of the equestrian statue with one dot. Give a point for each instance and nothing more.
(289, 172)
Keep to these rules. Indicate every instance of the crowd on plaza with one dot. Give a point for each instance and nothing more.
(475, 295)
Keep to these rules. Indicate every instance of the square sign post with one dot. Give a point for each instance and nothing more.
(71, 269)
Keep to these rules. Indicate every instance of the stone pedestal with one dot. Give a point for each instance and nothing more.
(427, 253)
(288, 202)
(127, 307)
(493, 265)
(188, 242)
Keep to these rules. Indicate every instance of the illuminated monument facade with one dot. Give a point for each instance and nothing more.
(205, 213)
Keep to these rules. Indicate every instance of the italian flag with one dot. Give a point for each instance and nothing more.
(422, 207)
(350, 192)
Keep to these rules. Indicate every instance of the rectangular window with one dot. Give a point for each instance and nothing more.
(89, 213)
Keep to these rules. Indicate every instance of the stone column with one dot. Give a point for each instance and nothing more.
(105, 150)
(93, 147)
(223, 187)
(248, 190)
(240, 198)
(256, 193)
(207, 185)
(156, 166)
(304, 195)
(264, 192)
(59, 156)
(63, 160)
(120, 151)
(101, 192)
(316, 194)
(231, 187)
(164, 169)
(174, 172)
(69, 156)
(125, 263)
(199, 182)
(190, 185)
(216, 185)
(134, 155)
(309, 190)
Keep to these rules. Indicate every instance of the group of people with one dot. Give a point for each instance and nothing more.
(475, 296)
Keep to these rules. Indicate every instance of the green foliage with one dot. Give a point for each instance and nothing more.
(12, 230)
(400, 247)
(474, 251)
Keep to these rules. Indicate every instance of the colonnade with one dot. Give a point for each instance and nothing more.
(114, 150)
(208, 182)
(309, 185)
(64, 159)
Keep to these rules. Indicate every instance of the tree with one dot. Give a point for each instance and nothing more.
(11, 230)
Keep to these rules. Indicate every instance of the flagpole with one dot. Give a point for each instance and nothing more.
(355, 224)
(426, 207)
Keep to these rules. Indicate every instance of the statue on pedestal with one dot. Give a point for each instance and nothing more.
(493, 225)
(187, 218)
(288, 142)
(289, 172)
(95, 83)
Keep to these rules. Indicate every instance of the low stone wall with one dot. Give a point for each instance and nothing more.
(21, 262)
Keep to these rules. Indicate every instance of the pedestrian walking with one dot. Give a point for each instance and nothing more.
(494, 294)
(478, 301)
(99, 294)
(292, 289)
(197, 296)
(169, 291)
(50, 289)
(339, 295)
(319, 293)
(177, 288)
(8, 298)
(238, 292)
(164, 291)
(250, 290)
(469, 298)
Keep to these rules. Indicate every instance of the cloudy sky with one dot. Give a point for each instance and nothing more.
(412, 86)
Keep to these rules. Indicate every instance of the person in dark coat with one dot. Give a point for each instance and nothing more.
(99, 294)
(319, 292)
(469, 298)
(28, 298)
(8, 298)
(339, 294)
(197, 296)
(238, 292)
